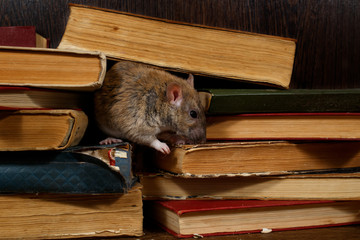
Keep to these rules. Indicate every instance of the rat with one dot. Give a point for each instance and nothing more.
(146, 105)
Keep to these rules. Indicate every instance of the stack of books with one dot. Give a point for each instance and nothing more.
(284, 159)
(51, 187)
(274, 160)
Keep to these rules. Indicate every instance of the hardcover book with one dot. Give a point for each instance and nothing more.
(22, 36)
(284, 126)
(84, 191)
(260, 158)
(182, 47)
(51, 68)
(238, 101)
(42, 129)
(37, 98)
(322, 186)
(76, 170)
(69, 216)
(197, 218)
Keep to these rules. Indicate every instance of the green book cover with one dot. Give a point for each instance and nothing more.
(237, 101)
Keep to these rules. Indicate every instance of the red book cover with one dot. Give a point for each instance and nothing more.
(184, 207)
(18, 36)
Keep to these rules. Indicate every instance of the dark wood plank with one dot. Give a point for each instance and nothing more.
(328, 49)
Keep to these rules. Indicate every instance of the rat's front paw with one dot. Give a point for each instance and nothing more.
(110, 140)
(160, 146)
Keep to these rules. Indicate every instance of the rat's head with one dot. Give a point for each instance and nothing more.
(187, 112)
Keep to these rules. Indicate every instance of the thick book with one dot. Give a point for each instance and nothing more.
(238, 101)
(284, 126)
(77, 170)
(196, 218)
(203, 50)
(35, 98)
(260, 158)
(22, 36)
(324, 186)
(52, 68)
(68, 216)
(42, 129)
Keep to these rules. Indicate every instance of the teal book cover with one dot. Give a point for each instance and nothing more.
(77, 170)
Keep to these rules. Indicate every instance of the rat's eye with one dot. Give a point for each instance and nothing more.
(193, 114)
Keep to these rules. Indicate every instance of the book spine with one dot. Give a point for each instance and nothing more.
(282, 101)
(20, 36)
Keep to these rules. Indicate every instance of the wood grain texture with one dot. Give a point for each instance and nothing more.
(328, 49)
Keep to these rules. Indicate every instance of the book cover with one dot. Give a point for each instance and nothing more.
(321, 186)
(191, 218)
(52, 68)
(22, 36)
(284, 126)
(181, 46)
(77, 170)
(238, 101)
(37, 98)
(257, 158)
(71, 216)
(41, 129)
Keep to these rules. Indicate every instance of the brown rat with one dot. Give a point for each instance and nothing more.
(143, 104)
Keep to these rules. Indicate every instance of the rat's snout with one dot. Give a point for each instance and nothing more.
(198, 135)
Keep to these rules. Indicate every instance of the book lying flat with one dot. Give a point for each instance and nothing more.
(67, 216)
(293, 187)
(237, 101)
(260, 158)
(284, 126)
(22, 36)
(43, 129)
(76, 170)
(179, 46)
(195, 218)
(51, 68)
(33, 98)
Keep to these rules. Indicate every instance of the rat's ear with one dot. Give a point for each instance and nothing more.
(174, 94)
(190, 80)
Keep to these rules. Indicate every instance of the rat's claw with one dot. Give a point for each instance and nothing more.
(160, 146)
(165, 149)
(110, 140)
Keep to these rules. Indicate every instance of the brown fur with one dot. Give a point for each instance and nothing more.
(134, 104)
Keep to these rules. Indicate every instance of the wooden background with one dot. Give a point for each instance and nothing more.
(327, 31)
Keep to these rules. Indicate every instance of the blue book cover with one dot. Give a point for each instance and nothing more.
(77, 170)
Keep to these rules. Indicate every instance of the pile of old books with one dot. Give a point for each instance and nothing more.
(275, 159)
